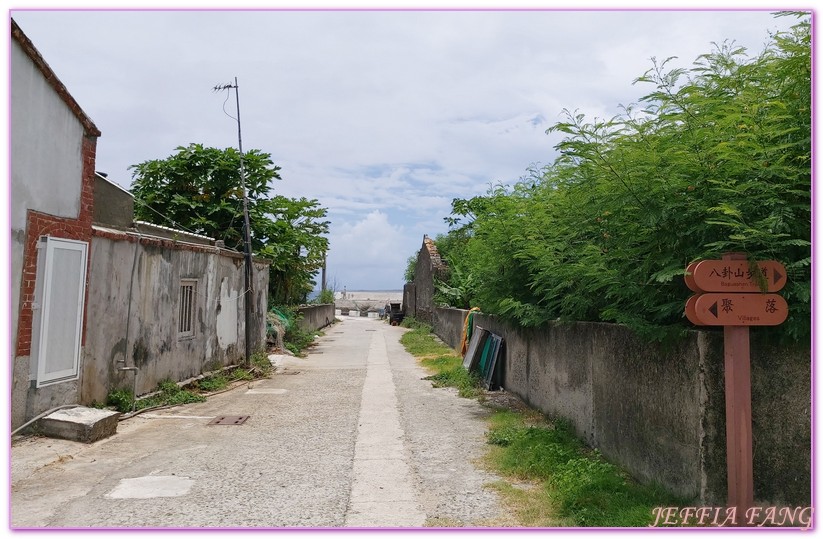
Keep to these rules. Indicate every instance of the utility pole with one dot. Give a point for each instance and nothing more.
(248, 299)
(323, 275)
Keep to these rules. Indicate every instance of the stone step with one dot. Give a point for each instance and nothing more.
(80, 424)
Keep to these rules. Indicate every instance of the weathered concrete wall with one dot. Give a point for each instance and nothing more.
(660, 411)
(409, 299)
(133, 314)
(429, 267)
(316, 316)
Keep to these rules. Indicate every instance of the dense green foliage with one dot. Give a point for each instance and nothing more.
(199, 190)
(716, 158)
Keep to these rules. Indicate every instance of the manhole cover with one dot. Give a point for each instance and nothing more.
(229, 420)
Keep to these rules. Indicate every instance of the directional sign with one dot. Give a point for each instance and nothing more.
(741, 309)
(689, 277)
(737, 276)
(691, 312)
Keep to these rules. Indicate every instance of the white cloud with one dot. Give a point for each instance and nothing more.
(370, 254)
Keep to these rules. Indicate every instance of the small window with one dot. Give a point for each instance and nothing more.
(185, 324)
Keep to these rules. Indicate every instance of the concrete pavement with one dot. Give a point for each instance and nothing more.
(350, 436)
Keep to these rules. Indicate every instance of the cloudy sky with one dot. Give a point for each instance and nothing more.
(383, 116)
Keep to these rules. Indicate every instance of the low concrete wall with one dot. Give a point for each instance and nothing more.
(316, 316)
(660, 411)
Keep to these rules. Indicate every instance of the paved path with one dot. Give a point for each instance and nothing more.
(351, 436)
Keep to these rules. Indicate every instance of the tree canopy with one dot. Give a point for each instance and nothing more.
(714, 158)
(199, 190)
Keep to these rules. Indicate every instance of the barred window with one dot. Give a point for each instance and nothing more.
(185, 324)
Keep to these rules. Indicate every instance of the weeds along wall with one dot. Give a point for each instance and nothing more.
(660, 411)
(134, 311)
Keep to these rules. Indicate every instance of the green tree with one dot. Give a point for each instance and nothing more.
(199, 190)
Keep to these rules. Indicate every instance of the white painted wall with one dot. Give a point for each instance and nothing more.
(46, 159)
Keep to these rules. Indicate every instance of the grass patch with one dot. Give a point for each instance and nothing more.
(168, 393)
(445, 364)
(575, 484)
(212, 383)
(449, 372)
(420, 342)
(529, 504)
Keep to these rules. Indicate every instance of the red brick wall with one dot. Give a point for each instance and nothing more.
(41, 224)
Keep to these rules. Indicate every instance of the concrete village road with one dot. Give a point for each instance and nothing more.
(350, 436)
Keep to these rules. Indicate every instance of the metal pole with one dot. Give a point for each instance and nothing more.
(248, 297)
(323, 275)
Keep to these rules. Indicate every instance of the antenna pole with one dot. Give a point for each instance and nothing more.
(249, 295)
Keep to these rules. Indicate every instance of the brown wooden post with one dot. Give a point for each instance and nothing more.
(738, 415)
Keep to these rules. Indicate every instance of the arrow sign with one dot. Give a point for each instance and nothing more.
(740, 309)
(691, 312)
(737, 276)
(689, 277)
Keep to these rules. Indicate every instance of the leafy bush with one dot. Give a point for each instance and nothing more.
(326, 296)
(120, 399)
(716, 160)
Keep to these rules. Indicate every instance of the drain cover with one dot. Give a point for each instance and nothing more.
(229, 420)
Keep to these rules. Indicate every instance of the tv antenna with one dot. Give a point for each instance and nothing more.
(246, 230)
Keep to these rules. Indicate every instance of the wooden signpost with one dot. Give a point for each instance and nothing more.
(731, 293)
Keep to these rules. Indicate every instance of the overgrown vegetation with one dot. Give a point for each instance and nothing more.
(715, 158)
(169, 393)
(295, 339)
(446, 365)
(572, 485)
(325, 297)
(567, 484)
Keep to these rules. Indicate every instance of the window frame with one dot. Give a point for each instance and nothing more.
(187, 309)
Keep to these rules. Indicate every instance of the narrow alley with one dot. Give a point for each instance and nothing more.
(350, 436)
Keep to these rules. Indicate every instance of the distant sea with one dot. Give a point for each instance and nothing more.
(362, 294)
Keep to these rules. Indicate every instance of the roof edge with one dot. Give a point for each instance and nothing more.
(31, 51)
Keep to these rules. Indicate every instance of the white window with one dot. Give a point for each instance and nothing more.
(57, 321)
(188, 293)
